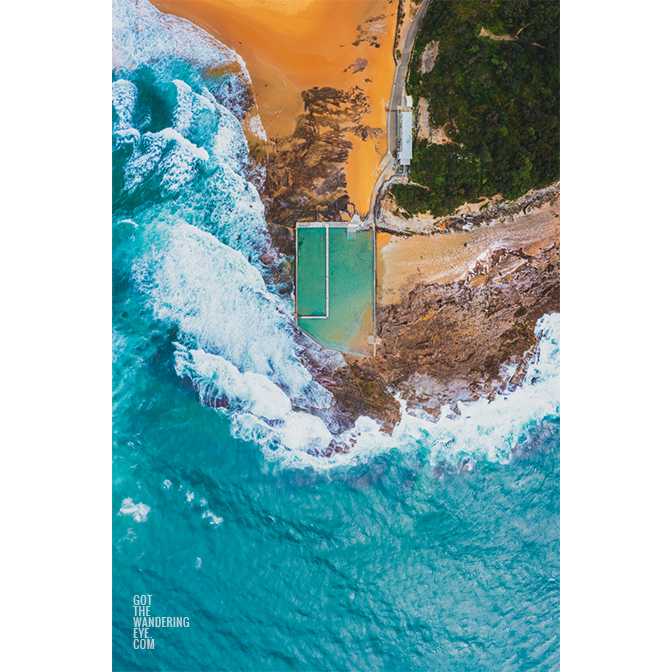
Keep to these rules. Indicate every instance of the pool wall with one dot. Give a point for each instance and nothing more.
(335, 272)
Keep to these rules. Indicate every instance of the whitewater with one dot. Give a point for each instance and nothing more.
(203, 273)
(435, 544)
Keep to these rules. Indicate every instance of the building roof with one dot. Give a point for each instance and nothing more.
(405, 135)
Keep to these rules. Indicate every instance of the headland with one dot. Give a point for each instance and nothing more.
(458, 293)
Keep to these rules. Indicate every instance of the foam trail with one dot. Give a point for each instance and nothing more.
(124, 98)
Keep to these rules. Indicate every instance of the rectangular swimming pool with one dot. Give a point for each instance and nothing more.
(335, 286)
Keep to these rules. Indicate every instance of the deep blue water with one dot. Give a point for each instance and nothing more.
(434, 549)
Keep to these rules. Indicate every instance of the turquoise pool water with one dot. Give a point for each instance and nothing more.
(311, 264)
(351, 288)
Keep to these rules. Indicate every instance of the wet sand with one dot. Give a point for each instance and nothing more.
(290, 46)
(404, 262)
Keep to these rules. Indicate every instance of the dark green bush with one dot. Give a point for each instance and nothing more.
(499, 100)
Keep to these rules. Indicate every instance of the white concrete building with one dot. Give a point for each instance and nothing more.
(404, 136)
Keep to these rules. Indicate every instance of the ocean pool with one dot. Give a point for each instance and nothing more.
(337, 313)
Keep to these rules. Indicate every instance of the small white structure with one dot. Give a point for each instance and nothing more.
(404, 135)
(353, 226)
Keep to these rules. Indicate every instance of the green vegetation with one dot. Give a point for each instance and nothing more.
(499, 101)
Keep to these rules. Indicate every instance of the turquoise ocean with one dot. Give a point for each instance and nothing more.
(436, 548)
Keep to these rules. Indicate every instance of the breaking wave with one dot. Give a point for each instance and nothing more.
(190, 222)
(494, 431)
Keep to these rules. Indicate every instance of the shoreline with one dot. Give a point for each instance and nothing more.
(465, 217)
(448, 255)
(292, 46)
(457, 297)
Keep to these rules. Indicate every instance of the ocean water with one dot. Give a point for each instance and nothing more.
(436, 548)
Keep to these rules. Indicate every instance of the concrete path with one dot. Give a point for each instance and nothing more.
(387, 166)
(400, 77)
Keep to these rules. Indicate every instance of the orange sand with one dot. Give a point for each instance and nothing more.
(383, 239)
(402, 262)
(293, 45)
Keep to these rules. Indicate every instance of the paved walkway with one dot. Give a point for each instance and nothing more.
(387, 166)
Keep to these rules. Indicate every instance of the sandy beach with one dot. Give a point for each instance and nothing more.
(290, 46)
(404, 262)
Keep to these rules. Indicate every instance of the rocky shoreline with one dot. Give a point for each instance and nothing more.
(398, 225)
(440, 341)
(444, 342)
(305, 172)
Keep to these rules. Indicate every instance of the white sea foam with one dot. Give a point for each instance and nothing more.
(166, 484)
(220, 300)
(297, 431)
(483, 430)
(138, 511)
(129, 135)
(229, 145)
(124, 97)
(259, 408)
(189, 105)
(251, 392)
(195, 150)
(177, 164)
(256, 127)
(196, 115)
(141, 34)
(214, 519)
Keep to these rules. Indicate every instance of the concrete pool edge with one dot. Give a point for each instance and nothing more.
(364, 340)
